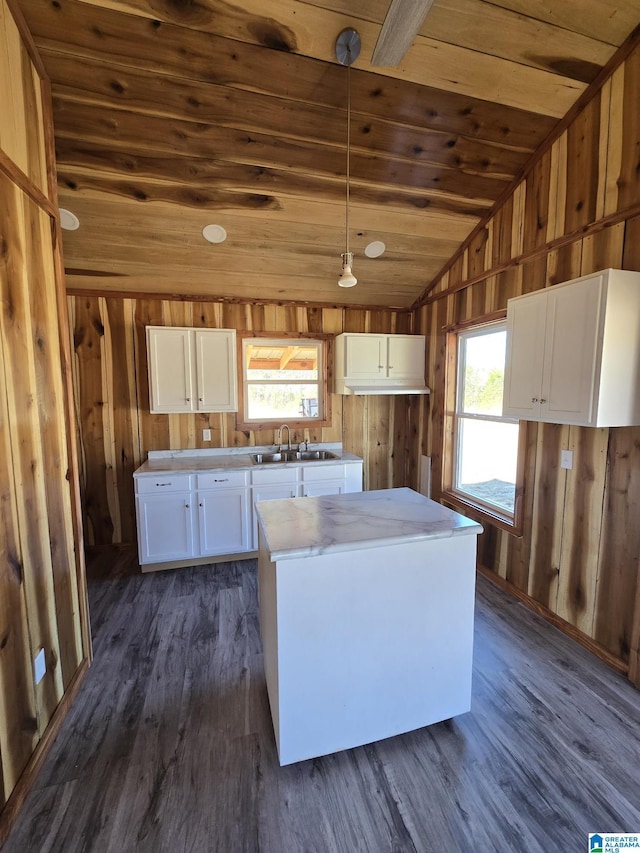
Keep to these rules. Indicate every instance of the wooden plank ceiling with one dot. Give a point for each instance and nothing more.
(173, 114)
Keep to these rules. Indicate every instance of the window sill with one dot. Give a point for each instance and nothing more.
(481, 513)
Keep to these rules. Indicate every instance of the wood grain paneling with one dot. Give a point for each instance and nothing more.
(238, 116)
(21, 128)
(42, 591)
(574, 214)
(117, 430)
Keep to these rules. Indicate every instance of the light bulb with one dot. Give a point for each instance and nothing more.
(347, 278)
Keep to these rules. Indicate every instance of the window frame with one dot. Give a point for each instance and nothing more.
(324, 374)
(473, 506)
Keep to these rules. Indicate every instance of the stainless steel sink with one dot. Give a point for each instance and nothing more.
(293, 456)
(310, 455)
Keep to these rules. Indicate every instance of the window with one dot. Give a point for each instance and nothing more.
(484, 458)
(283, 380)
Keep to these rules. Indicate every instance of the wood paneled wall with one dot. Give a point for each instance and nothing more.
(116, 429)
(42, 591)
(576, 211)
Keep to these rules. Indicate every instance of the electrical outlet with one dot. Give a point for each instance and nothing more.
(39, 667)
(206, 435)
(566, 459)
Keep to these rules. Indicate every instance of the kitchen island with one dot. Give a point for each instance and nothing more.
(366, 617)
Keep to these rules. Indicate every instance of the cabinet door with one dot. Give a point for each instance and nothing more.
(571, 352)
(405, 357)
(270, 493)
(217, 382)
(526, 319)
(165, 527)
(366, 356)
(329, 487)
(224, 521)
(170, 370)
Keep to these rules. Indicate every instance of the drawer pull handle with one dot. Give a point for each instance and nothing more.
(225, 480)
(163, 484)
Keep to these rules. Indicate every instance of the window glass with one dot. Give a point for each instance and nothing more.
(282, 379)
(485, 460)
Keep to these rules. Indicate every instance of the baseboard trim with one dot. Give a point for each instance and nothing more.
(197, 561)
(557, 621)
(12, 807)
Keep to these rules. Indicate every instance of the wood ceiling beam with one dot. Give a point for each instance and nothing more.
(401, 25)
(287, 357)
(73, 27)
(240, 287)
(508, 33)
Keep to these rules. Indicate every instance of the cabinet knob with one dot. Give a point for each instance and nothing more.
(542, 400)
(201, 399)
(390, 367)
(186, 506)
(534, 399)
(201, 504)
(187, 399)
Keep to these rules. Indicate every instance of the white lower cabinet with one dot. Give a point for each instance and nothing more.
(223, 521)
(329, 487)
(165, 527)
(210, 514)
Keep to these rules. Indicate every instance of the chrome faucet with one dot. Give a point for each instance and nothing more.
(288, 435)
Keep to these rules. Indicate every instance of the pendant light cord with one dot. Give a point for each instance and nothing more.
(348, 146)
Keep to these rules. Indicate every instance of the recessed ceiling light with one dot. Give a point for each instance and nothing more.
(68, 220)
(214, 233)
(375, 249)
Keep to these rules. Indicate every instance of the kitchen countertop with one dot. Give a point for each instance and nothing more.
(225, 458)
(351, 522)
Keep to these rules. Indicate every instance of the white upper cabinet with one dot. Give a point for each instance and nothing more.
(216, 373)
(192, 370)
(380, 364)
(365, 356)
(573, 352)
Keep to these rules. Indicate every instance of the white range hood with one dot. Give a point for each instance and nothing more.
(378, 364)
(382, 388)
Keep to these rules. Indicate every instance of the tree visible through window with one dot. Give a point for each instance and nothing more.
(485, 459)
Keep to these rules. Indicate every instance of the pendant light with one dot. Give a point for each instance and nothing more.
(347, 51)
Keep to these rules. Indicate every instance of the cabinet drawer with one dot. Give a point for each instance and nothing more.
(314, 473)
(162, 483)
(222, 479)
(260, 476)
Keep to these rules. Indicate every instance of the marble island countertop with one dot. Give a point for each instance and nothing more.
(326, 525)
(226, 458)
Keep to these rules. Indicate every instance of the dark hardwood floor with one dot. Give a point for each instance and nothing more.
(169, 746)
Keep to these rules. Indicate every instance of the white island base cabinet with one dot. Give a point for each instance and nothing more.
(367, 643)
